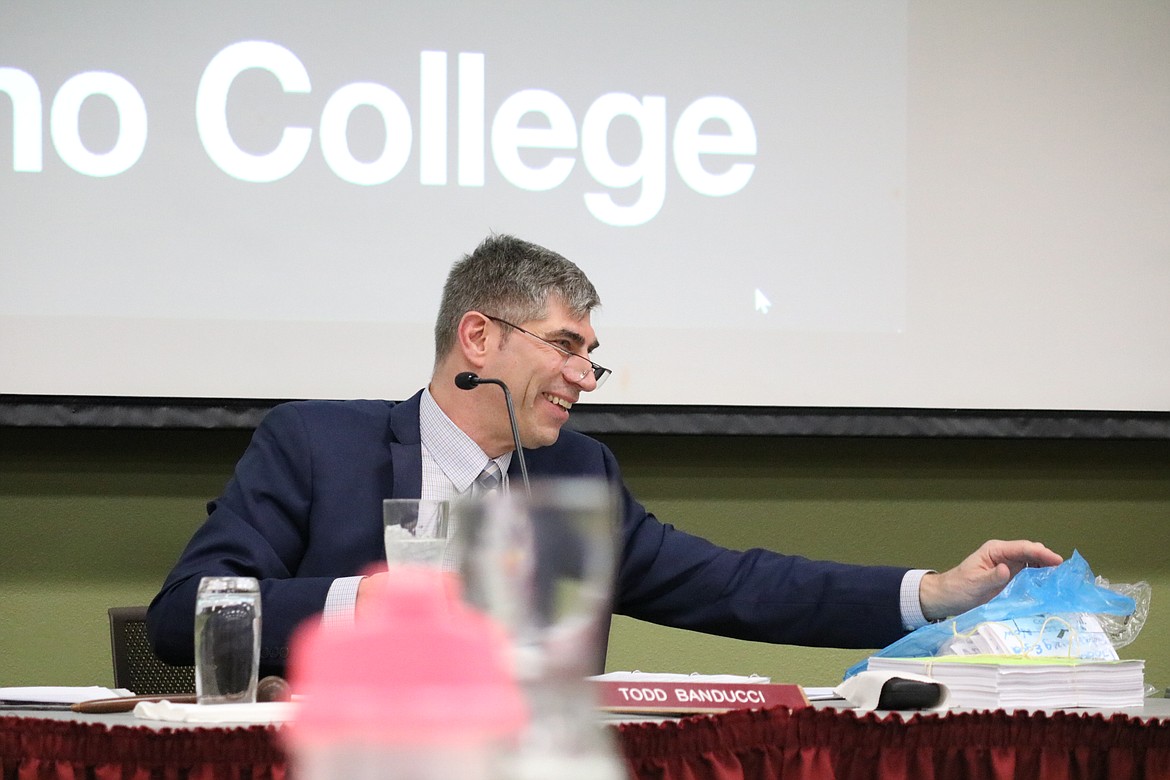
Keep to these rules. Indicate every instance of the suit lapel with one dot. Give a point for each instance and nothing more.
(404, 443)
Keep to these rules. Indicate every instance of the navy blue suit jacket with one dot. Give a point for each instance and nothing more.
(304, 507)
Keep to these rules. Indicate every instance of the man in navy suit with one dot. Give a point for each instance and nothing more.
(302, 513)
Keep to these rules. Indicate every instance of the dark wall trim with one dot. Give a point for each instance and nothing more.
(198, 413)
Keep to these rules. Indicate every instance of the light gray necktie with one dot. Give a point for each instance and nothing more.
(488, 481)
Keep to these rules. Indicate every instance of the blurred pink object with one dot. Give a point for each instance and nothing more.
(424, 682)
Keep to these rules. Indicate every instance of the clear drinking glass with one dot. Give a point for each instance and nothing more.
(417, 531)
(542, 565)
(227, 640)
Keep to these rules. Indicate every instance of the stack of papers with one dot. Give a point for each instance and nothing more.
(1011, 682)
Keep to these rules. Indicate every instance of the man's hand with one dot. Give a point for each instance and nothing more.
(980, 576)
(370, 592)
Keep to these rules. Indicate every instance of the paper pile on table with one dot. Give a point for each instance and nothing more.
(1011, 682)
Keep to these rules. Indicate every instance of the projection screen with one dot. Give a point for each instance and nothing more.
(886, 204)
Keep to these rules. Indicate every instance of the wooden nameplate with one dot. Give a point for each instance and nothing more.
(684, 698)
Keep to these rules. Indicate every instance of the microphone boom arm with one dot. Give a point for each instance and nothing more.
(468, 381)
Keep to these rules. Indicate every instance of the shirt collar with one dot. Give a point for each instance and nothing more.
(453, 451)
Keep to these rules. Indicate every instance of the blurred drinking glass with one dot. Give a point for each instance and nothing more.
(417, 531)
(542, 564)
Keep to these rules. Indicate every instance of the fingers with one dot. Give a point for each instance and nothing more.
(997, 578)
(1020, 553)
(981, 576)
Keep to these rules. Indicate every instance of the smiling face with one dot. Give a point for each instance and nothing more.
(543, 391)
(547, 301)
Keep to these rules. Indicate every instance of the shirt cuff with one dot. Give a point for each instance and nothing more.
(341, 602)
(911, 605)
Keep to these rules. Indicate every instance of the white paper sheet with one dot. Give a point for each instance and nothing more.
(258, 713)
(60, 694)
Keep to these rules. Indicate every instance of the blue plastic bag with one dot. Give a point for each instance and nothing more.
(1052, 590)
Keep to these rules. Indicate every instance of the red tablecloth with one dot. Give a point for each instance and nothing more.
(755, 744)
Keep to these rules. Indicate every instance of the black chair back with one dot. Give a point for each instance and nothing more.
(136, 667)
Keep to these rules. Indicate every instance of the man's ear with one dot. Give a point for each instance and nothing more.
(473, 338)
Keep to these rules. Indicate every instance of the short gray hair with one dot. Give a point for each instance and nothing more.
(513, 280)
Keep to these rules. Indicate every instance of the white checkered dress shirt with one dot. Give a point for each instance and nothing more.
(451, 462)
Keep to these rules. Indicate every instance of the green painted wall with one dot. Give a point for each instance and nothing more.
(94, 518)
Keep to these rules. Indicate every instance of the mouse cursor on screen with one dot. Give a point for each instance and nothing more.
(762, 302)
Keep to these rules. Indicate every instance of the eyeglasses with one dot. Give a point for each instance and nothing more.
(578, 366)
